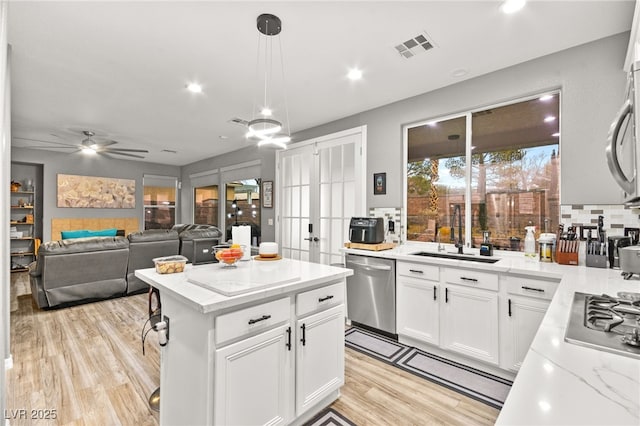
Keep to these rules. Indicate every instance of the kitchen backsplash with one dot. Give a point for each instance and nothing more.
(616, 217)
(390, 213)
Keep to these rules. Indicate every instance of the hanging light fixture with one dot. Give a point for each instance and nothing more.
(264, 128)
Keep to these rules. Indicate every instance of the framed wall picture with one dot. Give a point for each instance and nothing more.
(379, 183)
(267, 194)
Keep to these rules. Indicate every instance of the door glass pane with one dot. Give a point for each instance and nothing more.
(305, 201)
(348, 162)
(325, 199)
(436, 180)
(243, 207)
(325, 166)
(336, 199)
(336, 163)
(515, 171)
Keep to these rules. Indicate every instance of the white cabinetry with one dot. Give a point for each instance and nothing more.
(269, 362)
(255, 371)
(319, 357)
(470, 313)
(453, 308)
(527, 300)
(260, 370)
(418, 314)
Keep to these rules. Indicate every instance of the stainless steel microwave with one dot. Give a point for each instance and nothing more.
(623, 153)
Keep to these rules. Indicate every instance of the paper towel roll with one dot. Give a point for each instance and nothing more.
(242, 235)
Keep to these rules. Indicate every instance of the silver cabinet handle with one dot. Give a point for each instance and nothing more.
(474, 280)
(416, 271)
(524, 287)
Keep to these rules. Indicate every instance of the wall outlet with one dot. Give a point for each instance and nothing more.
(270, 221)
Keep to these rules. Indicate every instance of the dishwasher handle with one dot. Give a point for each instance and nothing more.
(372, 267)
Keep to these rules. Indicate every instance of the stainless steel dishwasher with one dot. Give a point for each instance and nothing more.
(371, 292)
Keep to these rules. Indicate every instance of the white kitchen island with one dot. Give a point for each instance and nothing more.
(262, 343)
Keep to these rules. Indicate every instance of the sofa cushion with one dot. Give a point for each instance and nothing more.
(81, 245)
(153, 235)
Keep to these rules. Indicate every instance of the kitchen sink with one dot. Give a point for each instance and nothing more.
(469, 257)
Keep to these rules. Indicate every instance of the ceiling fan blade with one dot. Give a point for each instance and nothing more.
(126, 150)
(106, 143)
(49, 142)
(109, 152)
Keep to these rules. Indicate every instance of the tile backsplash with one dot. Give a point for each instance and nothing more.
(616, 216)
(390, 213)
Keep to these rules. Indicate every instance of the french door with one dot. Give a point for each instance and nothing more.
(322, 185)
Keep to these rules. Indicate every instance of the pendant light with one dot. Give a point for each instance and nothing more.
(264, 128)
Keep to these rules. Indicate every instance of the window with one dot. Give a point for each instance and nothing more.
(206, 205)
(159, 201)
(513, 178)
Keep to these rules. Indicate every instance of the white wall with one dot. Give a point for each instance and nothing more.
(592, 83)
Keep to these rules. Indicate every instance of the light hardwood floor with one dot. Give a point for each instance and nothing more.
(86, 363)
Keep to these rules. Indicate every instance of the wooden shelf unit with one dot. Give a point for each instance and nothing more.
(22, 219)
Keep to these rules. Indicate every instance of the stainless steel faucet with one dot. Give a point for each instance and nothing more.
(459, 243)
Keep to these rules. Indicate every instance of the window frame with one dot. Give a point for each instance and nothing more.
(468, 154)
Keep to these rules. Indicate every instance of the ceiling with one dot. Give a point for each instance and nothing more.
(121, 68)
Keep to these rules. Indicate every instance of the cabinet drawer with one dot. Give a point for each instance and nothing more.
(418, 270)
(319, 299)
(532, 287)
(249, 320)
(477, 279)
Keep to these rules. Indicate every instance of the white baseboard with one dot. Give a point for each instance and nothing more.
(8, 363)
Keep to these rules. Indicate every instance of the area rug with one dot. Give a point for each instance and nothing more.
(484, 387)
(329, 417)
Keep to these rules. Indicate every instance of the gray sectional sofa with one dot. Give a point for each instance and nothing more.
(82, 270)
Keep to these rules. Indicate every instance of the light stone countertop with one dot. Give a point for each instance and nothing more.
(559, 383)
(268, 275)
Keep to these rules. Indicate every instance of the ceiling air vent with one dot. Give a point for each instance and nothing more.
(413, 46)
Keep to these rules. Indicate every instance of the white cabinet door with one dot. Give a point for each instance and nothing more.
(418, 309)
(256, 373)
(319, 357)
(523, 318)
(469, 322)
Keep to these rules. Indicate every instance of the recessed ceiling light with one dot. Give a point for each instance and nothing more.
(459, 73)
(194, 88)
(549, 119)
(545, 98)
(556, 135)
(354, 74)
(512, 6)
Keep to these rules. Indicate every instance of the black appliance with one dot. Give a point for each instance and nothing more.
(615, 243)
(367, 230)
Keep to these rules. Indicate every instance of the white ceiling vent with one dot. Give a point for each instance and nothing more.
(413, 46)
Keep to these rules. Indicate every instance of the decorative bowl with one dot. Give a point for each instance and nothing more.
(228, 256)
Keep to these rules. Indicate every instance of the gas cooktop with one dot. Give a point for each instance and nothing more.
(606, 323)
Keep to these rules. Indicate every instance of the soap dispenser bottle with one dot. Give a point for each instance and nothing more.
(530, 242)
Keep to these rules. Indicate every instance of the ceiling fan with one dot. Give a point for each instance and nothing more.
(89, 146)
